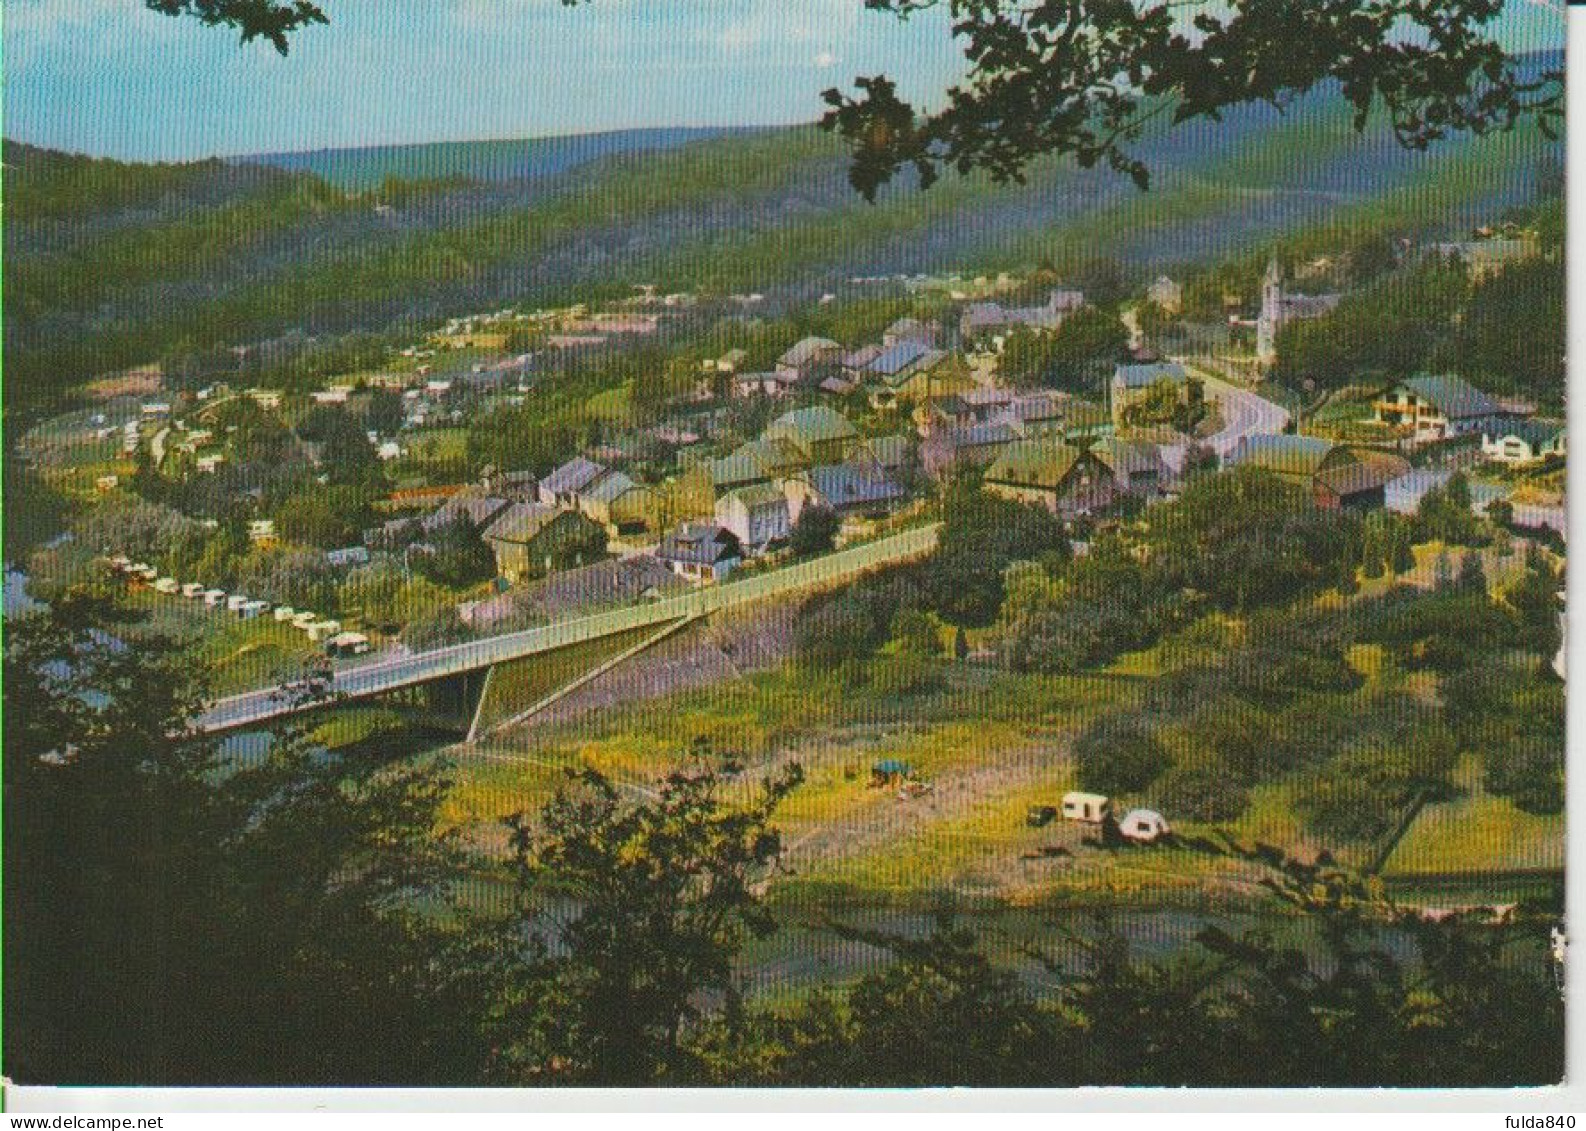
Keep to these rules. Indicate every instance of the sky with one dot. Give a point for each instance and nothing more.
(111, 78)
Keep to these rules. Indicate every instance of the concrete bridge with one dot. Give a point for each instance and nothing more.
(460, 680)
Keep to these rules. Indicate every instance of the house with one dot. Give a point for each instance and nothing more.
(821, 435)
(561, 487)
(806, 354)
(1137, 466)
(1334, 475)
(528, 538)
(478, 504)
(700, 551)
(603, 585)
(1050, 473)
(1437, 407)
(261, 530)
(1132, 384)
(348, 556)
(1360, 485)
(1166, 294)
(850, 490)
(1523, 441)
(1489, 256)
(320, 631)
(1403, 494)
(757, 516)
(991, 321)
(617, 503)
(758, 461)
(773, 384)
(925, 374)
(976, 445)
(1279, 308)
(1034, 414)
(911, 330)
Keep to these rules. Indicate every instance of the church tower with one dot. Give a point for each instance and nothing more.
(1271, 317)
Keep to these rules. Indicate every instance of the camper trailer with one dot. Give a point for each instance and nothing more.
(284, 613)
(1144, 826)
(235, 602)
(214, 597)
(193, 589)
(168, 585)
(304, 619)
(1092, 808)
(253, 609)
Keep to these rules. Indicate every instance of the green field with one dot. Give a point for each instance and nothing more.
(1477, 833)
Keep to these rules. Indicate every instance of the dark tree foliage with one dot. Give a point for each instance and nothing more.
(192, 921)
(814, 532)
(635, 911)
(272, 20)
(1086, 78)
(459, 556)
(1119, 755)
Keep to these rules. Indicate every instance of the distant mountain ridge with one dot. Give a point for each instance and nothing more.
(109, 264)
(361, 168)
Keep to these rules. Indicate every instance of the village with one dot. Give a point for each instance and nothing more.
(856, 436)
(436, 496)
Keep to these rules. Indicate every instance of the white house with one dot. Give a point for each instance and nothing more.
(756, 515)
(1523, 441)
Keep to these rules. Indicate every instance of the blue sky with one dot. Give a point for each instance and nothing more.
(110, 78)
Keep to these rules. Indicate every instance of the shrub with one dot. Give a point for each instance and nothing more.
(1119, 755)
(1208, 791)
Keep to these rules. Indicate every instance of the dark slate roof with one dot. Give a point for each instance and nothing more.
(1284, 454)
(896, 359)
(521, 522)
(1454, 397)
(806, 350)
(474, 503)
(847, 485)
(611, 488)
(1148, 374)
(699, 543)
(574, 475)
(1533, 432)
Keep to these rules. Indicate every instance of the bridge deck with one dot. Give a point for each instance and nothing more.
(269, 703)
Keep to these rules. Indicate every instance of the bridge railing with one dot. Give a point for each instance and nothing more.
(391, 674)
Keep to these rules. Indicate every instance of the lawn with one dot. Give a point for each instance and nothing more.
(1477, 833)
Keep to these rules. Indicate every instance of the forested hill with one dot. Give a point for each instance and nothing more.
(108, 265)
(364, 168)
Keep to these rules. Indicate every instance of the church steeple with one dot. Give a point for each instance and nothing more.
(1271, 317)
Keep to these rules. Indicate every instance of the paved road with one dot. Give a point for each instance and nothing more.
(389, 674)
(1244, 413)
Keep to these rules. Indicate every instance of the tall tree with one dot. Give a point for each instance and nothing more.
(635, 909)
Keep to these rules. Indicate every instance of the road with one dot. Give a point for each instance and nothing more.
(1244, 413)
(389, 674)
